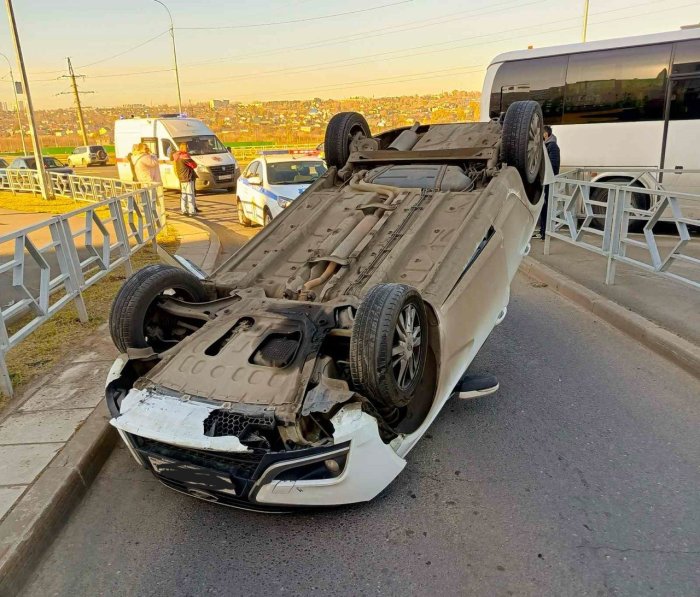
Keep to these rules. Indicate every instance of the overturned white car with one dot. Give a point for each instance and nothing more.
(306, 367)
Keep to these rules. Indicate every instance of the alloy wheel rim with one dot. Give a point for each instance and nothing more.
(406, 347)
(533, 143)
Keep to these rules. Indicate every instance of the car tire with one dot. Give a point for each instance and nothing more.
(242, 218)
(386, 317)
(639, 200)
(267, 217)
(340, 132)
(102, 155)
(133, 307)
(522, 139)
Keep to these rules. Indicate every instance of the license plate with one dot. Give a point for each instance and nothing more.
(226, 177)
(193, 476)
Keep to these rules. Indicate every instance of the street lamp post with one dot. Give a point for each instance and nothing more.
(585, 19)
(19, 117)
(177, 72)
(45, 188)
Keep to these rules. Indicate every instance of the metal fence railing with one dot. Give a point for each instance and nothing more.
(621, 221)
(49, 264)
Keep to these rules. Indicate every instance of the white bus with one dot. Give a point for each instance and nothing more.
(623, 103)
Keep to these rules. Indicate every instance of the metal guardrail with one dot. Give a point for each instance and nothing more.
(249, 153)
(607, 215)
(51, 263)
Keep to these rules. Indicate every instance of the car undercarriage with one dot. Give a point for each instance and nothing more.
(303, 369)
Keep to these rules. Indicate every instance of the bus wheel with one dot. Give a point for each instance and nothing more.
(639, 201)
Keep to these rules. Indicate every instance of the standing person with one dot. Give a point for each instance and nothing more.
(550, 143)
(130, 159)
(185, 168)
(145, 164)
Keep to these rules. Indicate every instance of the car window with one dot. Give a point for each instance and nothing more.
(252, 170)
(95, 148)
(18, 163)
(78, 150)
(52, 163)
(3, 163)
(294, 172)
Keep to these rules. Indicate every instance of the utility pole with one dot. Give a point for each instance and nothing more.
(44, 183)
(177, 72)
(76, 94)
(585, 19)
(19, 117)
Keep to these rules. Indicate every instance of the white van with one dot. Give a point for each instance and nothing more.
(217, 168)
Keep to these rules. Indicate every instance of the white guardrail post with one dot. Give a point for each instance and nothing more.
(621, 227)
(85, 245)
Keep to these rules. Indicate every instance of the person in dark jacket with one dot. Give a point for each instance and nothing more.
(550, 143)
(185, 168)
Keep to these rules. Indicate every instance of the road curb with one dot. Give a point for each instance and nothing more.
(32, 524)
(666, 344)
(209, 261)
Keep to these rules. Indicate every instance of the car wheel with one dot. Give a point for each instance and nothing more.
(267, 217)
(523, 138)
(134, 319)
(242, 218)
(102, 155)
(389, 345)
(342, 129)
(639, 200)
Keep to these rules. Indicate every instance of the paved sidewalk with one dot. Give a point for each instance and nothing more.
(671, 305)
(40, 474)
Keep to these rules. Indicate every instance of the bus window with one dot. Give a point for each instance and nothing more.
(539, 79)
(621, 85)
(687, 58)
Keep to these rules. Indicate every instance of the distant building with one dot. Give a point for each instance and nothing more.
(215, 104)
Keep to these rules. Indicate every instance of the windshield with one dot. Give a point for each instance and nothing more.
(295, 172)
(202, 144)
(48, 163)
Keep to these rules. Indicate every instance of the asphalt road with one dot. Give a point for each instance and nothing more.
(580, 477)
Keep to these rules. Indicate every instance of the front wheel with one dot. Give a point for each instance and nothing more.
(389, 345)
(267, 217)
(523, 138)
(135, 320)
(342, 130)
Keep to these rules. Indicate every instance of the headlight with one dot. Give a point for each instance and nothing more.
(283, 201)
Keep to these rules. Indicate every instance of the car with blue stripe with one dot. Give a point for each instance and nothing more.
(272, 181)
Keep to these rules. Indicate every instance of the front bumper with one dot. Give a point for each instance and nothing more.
(224, 471)
(207, 180)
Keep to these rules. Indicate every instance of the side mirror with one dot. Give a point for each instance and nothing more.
(230, 150)
(255, 181)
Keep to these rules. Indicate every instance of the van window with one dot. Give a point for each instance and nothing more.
(167, 147)
(621, 85)
(202, 144)
(539, 79)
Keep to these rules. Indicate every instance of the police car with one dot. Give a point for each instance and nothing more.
(272, 181)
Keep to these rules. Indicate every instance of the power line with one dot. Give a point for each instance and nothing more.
(428, 74)
(370, 33)
(304, 20)
(409, 52)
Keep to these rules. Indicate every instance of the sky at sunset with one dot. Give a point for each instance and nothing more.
(292, 49)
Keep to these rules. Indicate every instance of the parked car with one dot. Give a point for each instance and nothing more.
(307, 366)
(88, 155)
(29, 163)
(271, 182)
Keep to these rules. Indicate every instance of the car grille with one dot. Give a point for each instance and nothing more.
(242, 465)
(219, 170)
(222, 422)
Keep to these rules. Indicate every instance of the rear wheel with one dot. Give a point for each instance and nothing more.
(242, 218)
(389, 345)
(342, 130)
(523, 139)
(135, 320)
